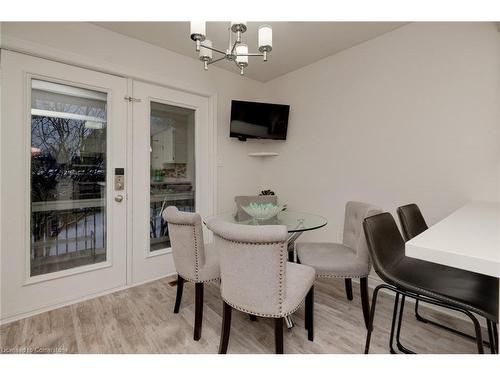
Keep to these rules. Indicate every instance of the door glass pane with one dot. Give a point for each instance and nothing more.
(68, 177)
(172, 178)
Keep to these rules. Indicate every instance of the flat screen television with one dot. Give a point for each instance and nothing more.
(258, 120)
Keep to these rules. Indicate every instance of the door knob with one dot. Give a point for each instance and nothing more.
(119, 198)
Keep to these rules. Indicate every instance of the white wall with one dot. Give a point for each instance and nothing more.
(92, 46)
(411, 116)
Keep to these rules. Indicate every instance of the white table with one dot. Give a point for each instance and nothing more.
(468, 239)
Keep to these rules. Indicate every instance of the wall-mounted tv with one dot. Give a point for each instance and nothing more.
(258, 120)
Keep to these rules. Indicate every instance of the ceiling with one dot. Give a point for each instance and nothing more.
(295, 44)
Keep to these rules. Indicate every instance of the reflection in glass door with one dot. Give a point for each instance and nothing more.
(172, 167)
(68, 177)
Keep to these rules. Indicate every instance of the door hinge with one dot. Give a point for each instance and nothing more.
(130, 99)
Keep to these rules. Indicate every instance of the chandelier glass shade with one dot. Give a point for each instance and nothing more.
(237, 51)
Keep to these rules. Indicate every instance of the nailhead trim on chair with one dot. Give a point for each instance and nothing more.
(263, 315)
(248, 243)
(281, 275)
(198, 281)
(328, 276)
(196, 262)
(196, 255)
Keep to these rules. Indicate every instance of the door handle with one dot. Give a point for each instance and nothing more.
(119, 198)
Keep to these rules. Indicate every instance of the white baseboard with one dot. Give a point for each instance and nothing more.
(40, 310)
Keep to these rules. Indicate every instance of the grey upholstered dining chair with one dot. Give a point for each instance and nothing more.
(256, 278)
(194, 261)
(346, 260)
(245, 200)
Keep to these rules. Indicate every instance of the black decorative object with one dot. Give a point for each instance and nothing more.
(267, 192)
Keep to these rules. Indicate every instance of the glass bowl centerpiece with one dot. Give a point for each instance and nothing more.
(263, 211)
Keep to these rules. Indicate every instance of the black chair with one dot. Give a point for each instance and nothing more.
(412, 224)
(412, 221)
(467, 292)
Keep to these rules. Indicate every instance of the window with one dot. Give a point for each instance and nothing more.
(68, 177)
(172, 165)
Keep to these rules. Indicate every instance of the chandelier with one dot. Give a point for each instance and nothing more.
(237, 51)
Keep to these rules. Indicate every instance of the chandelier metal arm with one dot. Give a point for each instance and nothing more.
(213, 49)
(250, 54)
(216, 60)
(234, 46)
(225, 53)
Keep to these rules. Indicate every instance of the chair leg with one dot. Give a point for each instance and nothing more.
(365, 299)
(400, 346)
(309, 322)
(178, 297)
(479, 336)
(495, 334)
(348, 288)
(198, 310)
(278, 335)
(422, 319)
(477, 326)
(393, 323)
(477, 329)
(491, 337)
(372, 316)
(417, 315)
(226, 328)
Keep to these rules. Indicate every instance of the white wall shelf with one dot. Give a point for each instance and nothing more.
(263, 154)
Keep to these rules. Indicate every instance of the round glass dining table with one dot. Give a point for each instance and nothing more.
(296, 223)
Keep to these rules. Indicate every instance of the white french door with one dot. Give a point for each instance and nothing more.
(171, 165)
(63, 218)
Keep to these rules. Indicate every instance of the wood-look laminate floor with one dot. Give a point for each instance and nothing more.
(141, 320)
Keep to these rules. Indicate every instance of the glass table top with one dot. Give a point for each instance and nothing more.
(293, 220)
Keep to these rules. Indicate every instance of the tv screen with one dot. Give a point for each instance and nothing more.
(258, 120)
